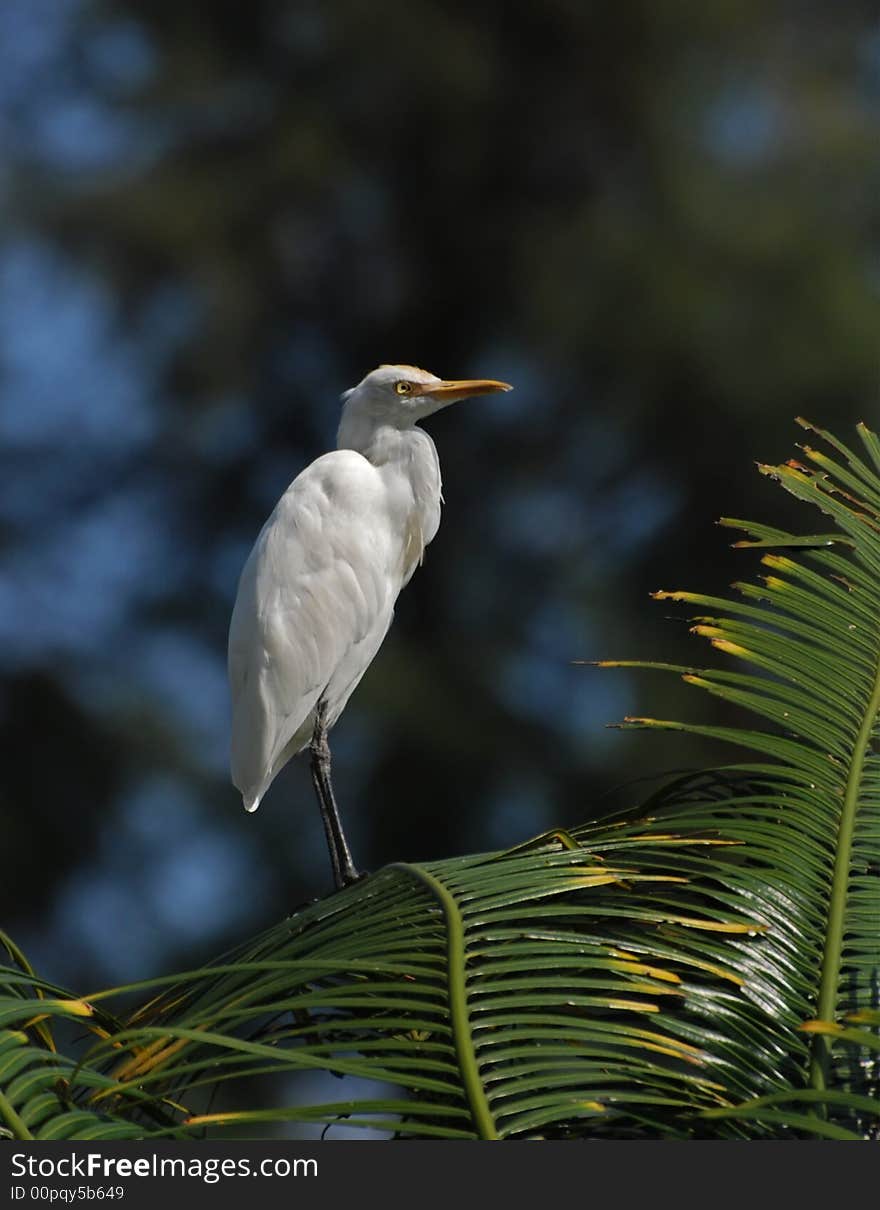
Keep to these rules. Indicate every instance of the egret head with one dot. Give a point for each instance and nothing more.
(403, 395)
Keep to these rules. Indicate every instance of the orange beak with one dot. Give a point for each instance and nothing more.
(463, 388)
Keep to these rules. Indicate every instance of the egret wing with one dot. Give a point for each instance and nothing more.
(318, 584)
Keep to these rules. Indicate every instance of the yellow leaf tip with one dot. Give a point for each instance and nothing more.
(77, 1008)
(820, 1027)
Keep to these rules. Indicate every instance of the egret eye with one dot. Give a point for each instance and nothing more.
(403, 388)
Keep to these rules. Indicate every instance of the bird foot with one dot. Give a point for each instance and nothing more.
(350, 877)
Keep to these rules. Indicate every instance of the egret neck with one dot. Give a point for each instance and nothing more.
(407, 462)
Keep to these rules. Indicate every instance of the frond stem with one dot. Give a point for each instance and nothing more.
(831, 958)
(456, 959)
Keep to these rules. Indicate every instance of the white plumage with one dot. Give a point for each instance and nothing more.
(317, 594)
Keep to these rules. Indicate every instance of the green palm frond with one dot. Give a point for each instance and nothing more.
(43, 1094)
(504, 995)
(36, 1100)
(706, 966)
(809, 637)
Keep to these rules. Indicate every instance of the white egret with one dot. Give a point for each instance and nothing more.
(317, 594)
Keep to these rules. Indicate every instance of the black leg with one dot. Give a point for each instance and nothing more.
(344, 871)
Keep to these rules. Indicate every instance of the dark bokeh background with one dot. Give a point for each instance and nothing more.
(660, 221)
